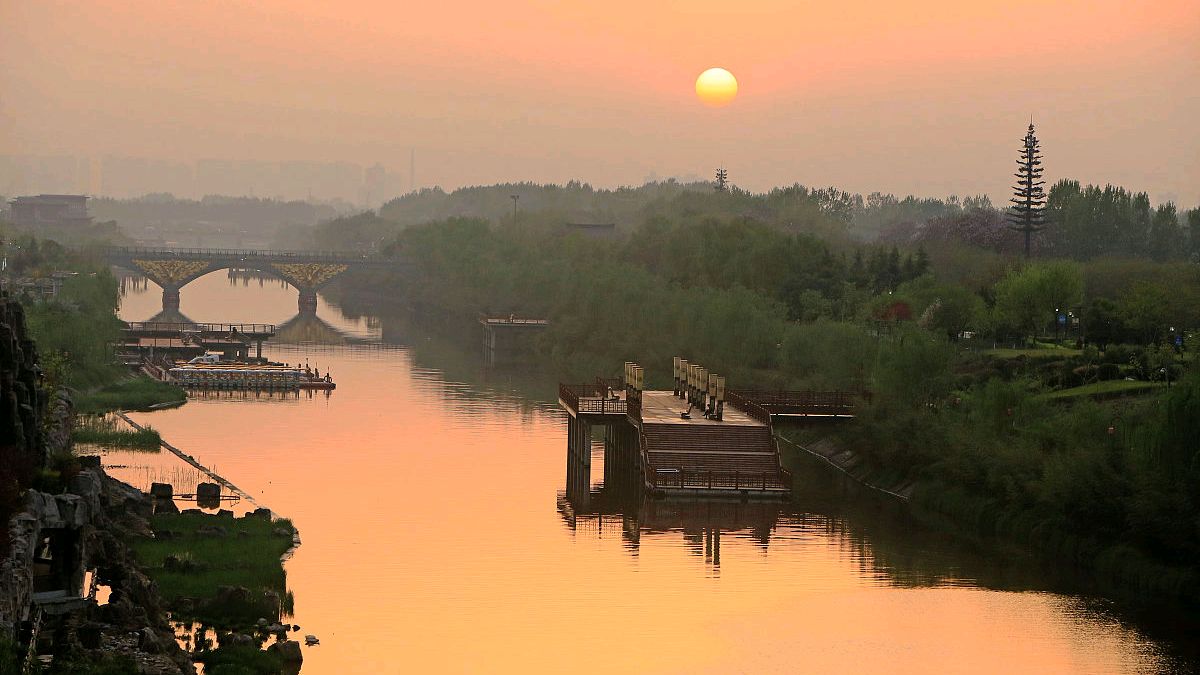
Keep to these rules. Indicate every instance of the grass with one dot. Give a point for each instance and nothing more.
(105, 431)
(240, 661)
(247, 555)
(139, 393)
(1104, 389)
(1043, 349)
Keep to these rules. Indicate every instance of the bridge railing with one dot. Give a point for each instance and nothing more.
(179, 327)
(244, 254)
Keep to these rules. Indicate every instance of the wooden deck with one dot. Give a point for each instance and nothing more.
(664, 407)
(736, 454)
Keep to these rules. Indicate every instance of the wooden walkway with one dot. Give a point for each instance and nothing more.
(737, 453)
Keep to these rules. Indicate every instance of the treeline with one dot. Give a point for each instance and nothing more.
(826, 212)
(971, 427)
(1082, 223)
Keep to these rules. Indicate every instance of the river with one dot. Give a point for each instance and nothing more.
(428, 496)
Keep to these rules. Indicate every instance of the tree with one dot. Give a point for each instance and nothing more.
(722, 184)
(1193, 227)
(1029, 199)
(1144, 308)
(1165, 237)
(1026, 298)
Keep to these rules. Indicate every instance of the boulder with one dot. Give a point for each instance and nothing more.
(162, 490)
(241, 640)
(288, 650)
(208, 491)
(148, 641)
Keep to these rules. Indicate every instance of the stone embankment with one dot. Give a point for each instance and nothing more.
(844, 461)
(63, 547)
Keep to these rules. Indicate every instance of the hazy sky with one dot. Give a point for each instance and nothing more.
(924, 97)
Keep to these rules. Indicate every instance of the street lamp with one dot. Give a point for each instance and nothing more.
(515, 199)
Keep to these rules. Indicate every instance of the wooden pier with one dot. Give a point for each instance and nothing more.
(180, 340)
(689, 440)
(503, 336)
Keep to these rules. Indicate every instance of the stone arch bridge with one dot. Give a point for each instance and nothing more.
(174, 268)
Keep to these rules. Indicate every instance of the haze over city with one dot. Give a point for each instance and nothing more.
(927, 98)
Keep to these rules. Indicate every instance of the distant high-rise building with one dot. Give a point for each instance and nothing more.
(375, 185)
(50, 211)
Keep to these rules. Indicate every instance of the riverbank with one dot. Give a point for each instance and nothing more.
(1114, 569)
(130, 393)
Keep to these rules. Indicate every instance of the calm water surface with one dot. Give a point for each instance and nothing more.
(435, 537)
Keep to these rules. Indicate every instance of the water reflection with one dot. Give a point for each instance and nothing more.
(423, 491)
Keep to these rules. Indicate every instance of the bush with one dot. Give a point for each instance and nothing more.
(243, 660)
(1108, 371)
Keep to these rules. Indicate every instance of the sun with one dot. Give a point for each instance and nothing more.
(716, 87)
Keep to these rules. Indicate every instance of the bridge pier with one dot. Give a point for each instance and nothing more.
(170, 299)
(308, 301)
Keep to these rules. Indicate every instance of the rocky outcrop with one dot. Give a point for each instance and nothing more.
(22, 397)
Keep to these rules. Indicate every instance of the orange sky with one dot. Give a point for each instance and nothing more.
(927, 97)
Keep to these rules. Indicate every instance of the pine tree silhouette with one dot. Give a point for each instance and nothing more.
(1029, 199)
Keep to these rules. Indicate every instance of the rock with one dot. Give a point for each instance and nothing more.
(310, 640)
(165, 506)
(148, 641)
(288, 650)
(192, 512)
(264, 514)
(282, 532)
(224, 513)
(241, 640)
(208, 491)
(89, 635)
(261, 623)
(162, 490)
(89, 461)
(214, 531)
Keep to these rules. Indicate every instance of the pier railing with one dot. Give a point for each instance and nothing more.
(811, 402)
(598, 398)
(751, 408)
(762, 481)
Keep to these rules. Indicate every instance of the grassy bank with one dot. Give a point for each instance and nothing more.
(137, 393)
(193, 555)
(107, 432)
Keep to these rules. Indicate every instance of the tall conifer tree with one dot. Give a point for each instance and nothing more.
(1029, 200)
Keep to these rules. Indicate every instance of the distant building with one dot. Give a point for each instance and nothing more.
(50, 211)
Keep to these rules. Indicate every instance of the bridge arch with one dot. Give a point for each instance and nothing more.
(172, 269)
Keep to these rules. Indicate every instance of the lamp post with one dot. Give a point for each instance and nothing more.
(515, 199)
